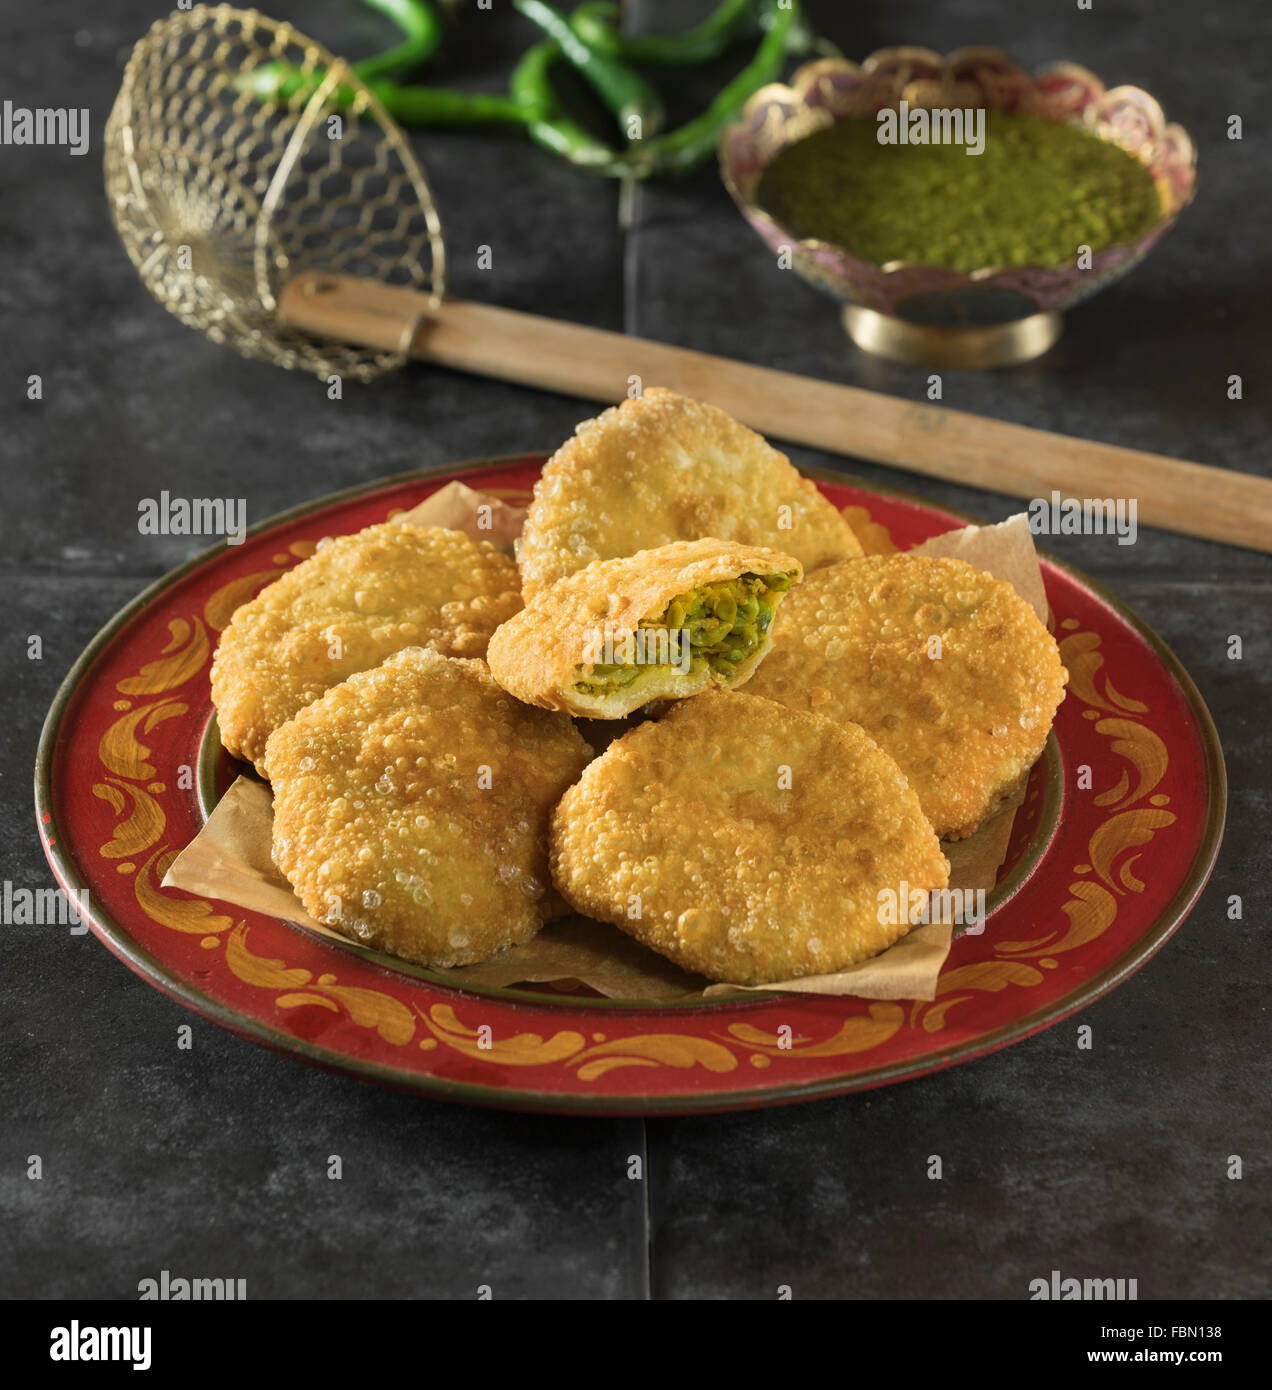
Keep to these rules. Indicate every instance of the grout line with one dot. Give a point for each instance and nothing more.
(629, 200)
(649, 1210)
(629, 270)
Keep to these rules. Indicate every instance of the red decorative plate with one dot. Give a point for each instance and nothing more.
(1074, 914)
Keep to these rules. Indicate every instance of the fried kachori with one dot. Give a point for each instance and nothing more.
(411, 807)
(660, 624)
(948, 669)
(662, 468)
(747, 841)
(357, 600)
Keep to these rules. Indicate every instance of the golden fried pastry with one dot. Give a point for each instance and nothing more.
(947, 668)
(747, 841)
(660, 624)
(355, 601)
(411, 808)
(665, 468)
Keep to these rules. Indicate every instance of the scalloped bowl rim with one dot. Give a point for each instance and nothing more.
(796, 96)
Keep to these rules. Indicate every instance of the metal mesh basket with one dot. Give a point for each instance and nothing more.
(221, 196)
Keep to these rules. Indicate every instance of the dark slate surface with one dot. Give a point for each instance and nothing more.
(212, 1162)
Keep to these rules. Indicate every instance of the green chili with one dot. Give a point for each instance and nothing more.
(417, 21)
(596, 24)
(436, 106)
(531, 80)
(532, 103)
(423, 30)
(625, 92)
(533, 94)
(681, 149)
(592, 44)
(412, 105)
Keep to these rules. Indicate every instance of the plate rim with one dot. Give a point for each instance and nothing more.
(144, 964)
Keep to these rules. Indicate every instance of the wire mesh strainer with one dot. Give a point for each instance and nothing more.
(221, 198)
(302, 231)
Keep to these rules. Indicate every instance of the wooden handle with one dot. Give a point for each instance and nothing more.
(1191, 498)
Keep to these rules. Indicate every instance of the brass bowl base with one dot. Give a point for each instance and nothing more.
(940, 345)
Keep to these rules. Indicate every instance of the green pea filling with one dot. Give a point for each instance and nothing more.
(725, 623)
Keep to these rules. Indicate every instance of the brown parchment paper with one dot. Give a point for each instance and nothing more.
(1006, 551)
(230, 857)
(476, 514)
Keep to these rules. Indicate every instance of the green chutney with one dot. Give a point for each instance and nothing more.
(1037, 192)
